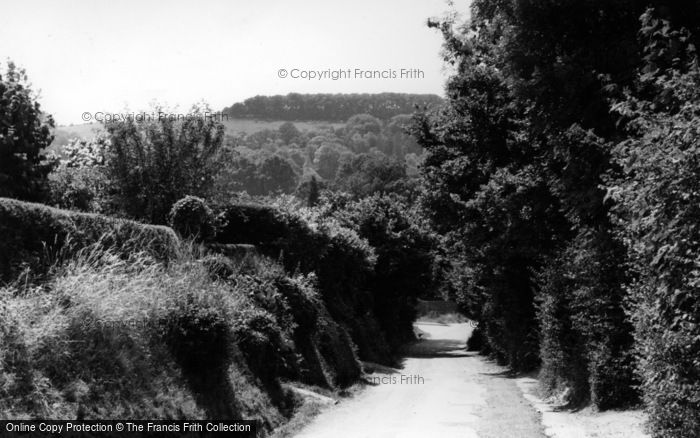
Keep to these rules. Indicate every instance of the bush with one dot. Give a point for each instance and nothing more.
(191, 217)
(37, 237)
(404, 267)
(336, 348)
(341, 260)
(79, 182)
(81, 189)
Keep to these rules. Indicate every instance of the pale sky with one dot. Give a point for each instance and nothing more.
(94, 56)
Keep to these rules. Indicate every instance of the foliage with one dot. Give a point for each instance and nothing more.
(404, 267)
(516, 169)
(580, 321)
(24, 133)
(656, 196)
(153, 163)
(309, 242)
(327, 159)
(486, 196)
(256, 173)
(329, 107)
(79, 181)
(366, 174)
(59, 358)
(189, 344)
(314, 194)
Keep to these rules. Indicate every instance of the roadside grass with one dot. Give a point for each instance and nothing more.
(309, 407)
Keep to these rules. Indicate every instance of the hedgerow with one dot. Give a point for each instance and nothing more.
(657, 198)
(37, 237)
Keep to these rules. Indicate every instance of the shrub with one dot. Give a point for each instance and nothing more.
(405, 261)
(585, 337)
(79, 182)
(79, 189)
(191, 217)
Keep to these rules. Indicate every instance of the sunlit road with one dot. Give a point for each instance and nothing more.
(442, 391)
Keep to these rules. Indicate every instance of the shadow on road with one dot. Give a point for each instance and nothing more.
(433, 347)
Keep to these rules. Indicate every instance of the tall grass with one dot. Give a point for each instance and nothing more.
(115, 337)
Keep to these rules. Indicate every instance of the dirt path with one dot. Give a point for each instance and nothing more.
(441, 391)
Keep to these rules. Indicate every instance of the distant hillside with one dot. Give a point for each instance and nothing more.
(307, 111)
(329, 107)
(233, 126)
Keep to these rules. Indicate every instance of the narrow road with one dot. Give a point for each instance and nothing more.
(441, 391)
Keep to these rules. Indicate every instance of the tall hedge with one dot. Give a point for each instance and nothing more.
(36, 236)
(585, 335)
(658, 209)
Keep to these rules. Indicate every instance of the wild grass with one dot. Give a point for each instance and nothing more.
(115, 337)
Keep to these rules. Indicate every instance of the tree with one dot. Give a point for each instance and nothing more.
(152, 164)
(288, 132)
(277, 175)
(314, 194)
(365, 174)
(485, 194)
(24, 134)
(657, 198)
(327, 159)
(516, 168)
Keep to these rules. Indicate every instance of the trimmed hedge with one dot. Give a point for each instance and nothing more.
(274, 233)
(191, 217)
(36, 236)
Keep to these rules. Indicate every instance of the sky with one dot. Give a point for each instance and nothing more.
(89, 56)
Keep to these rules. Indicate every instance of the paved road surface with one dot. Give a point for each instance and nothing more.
(442, 391)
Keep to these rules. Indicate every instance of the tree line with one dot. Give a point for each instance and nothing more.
(562, 175)
(329, 107)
